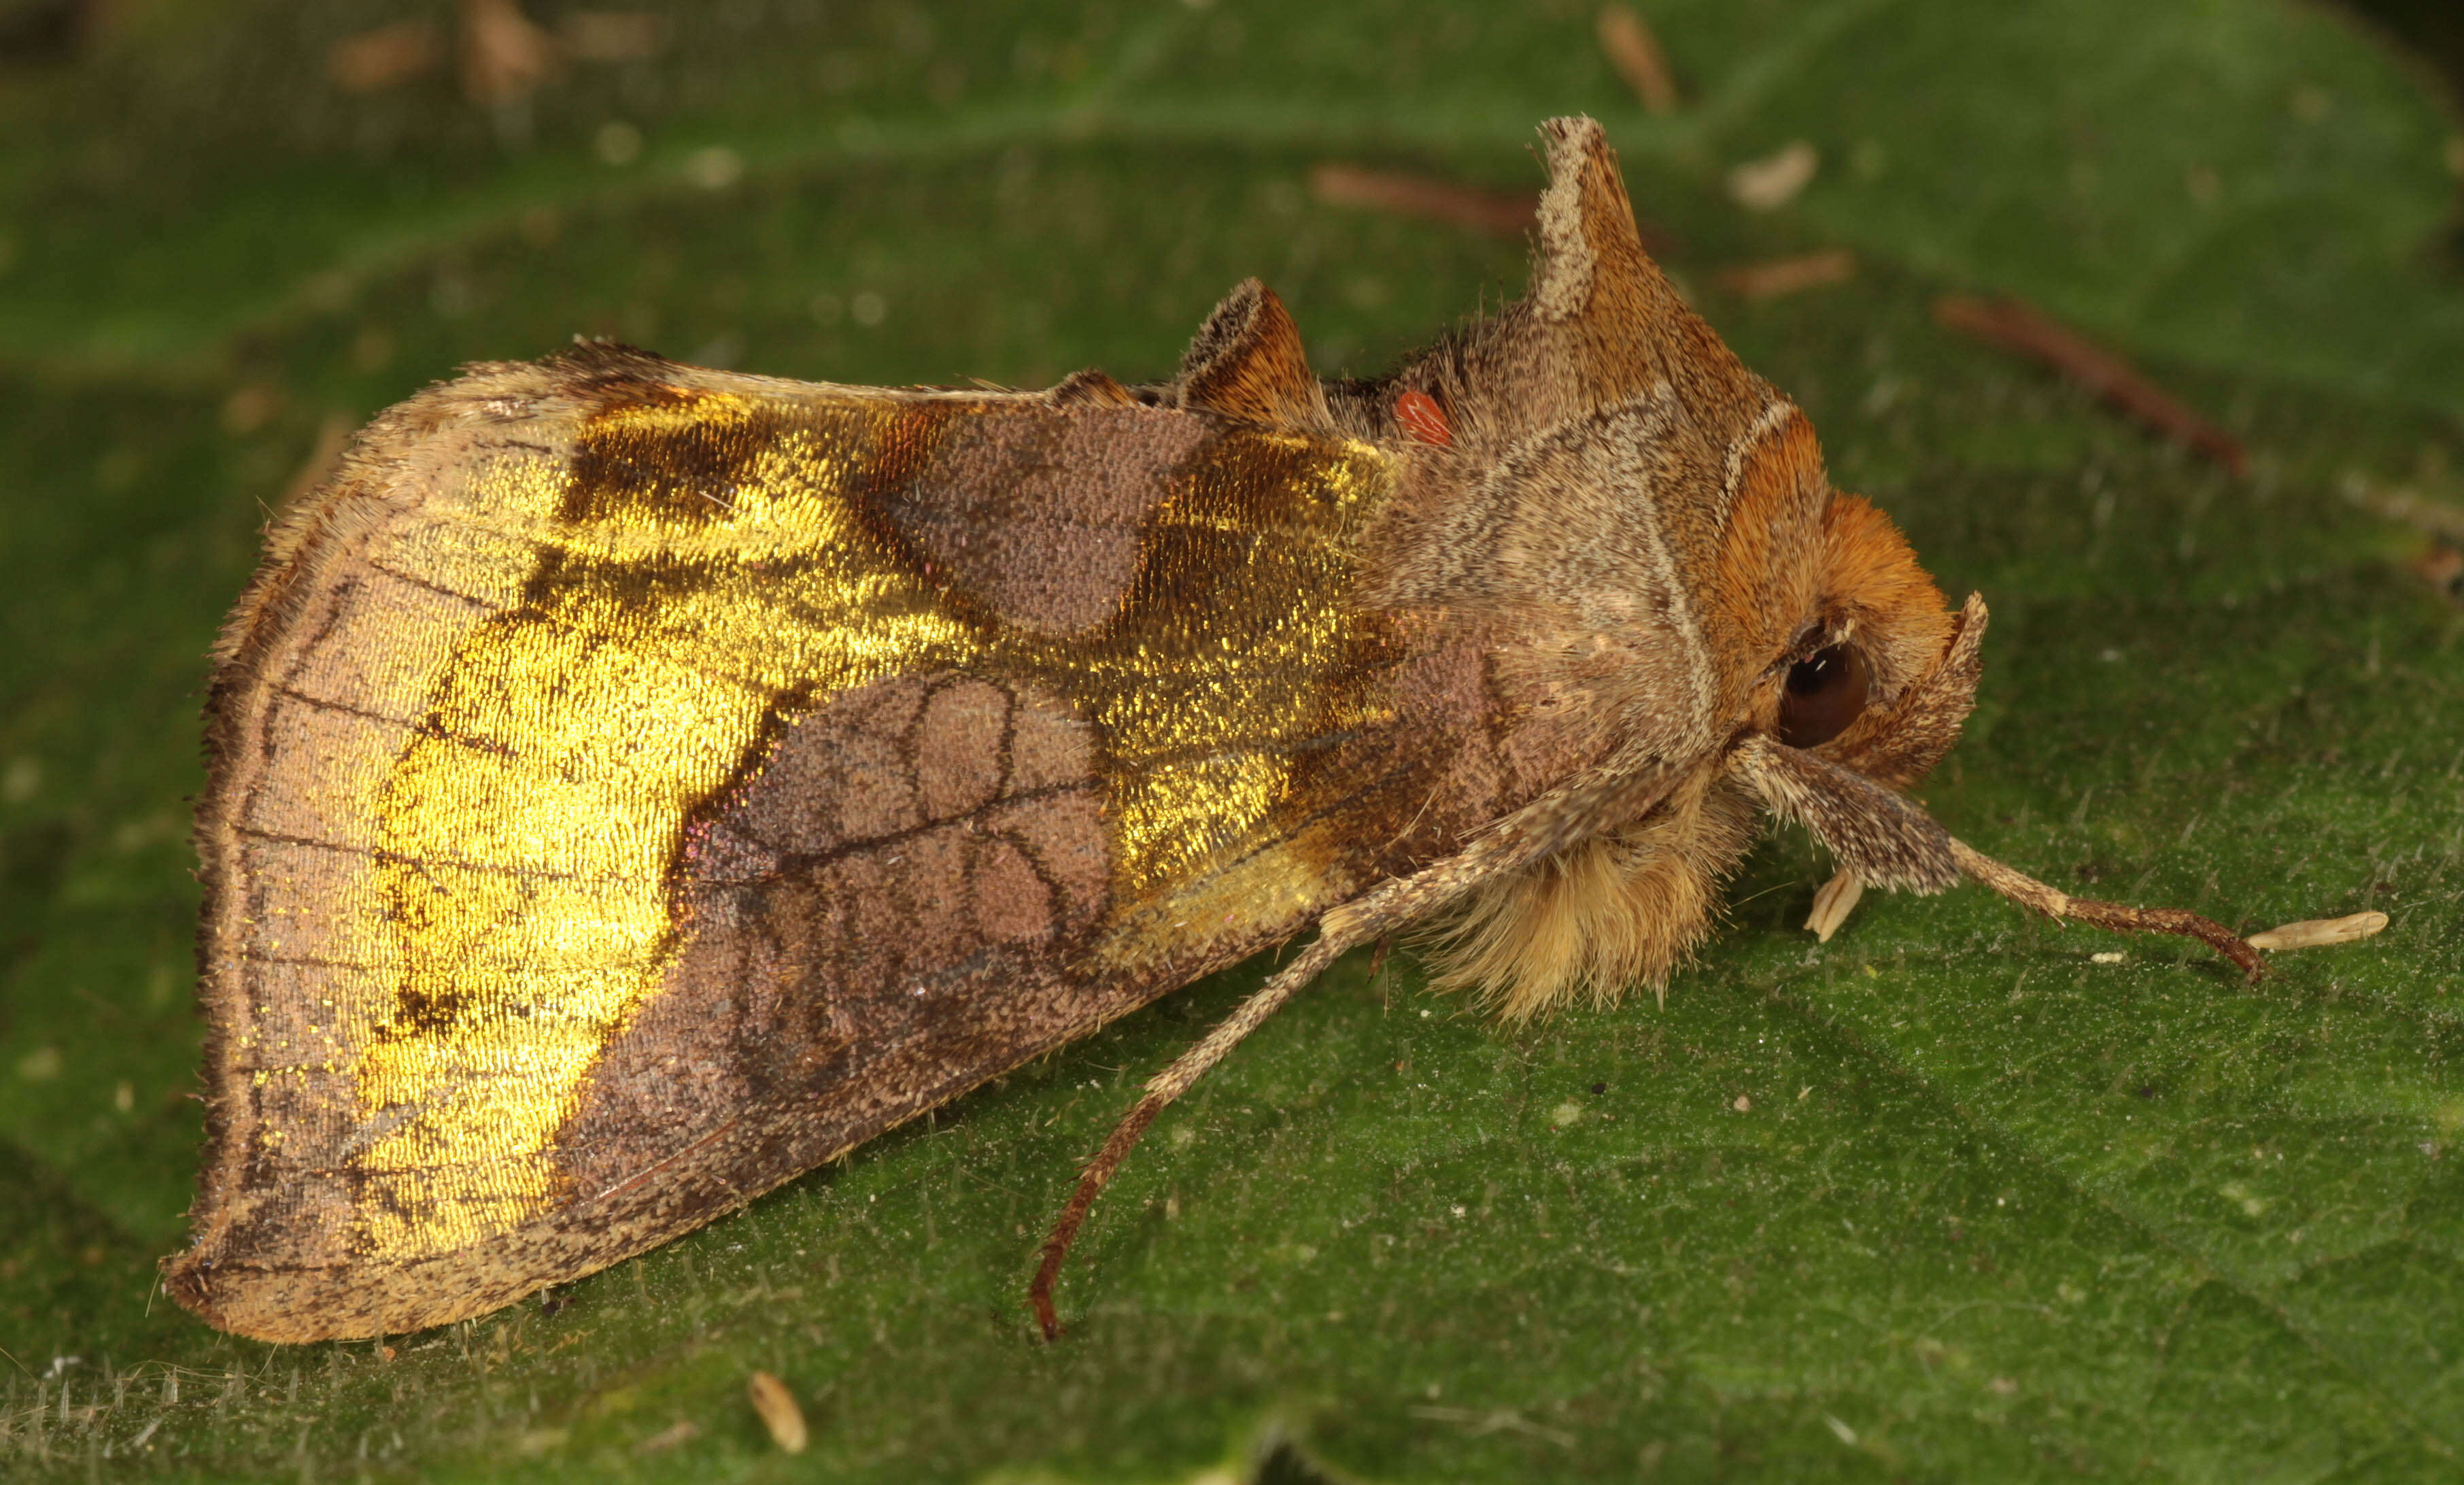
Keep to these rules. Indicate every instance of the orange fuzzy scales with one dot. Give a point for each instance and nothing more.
(1872, 574)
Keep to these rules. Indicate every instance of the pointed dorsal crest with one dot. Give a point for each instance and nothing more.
(1247, 363)
(1591, 258)
(1623, 324)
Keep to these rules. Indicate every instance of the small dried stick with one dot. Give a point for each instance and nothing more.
(2015, 326)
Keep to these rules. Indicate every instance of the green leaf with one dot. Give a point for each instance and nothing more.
(1949, 1198)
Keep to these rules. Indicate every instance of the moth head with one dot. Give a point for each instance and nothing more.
(1877, 674)
(1865, 699)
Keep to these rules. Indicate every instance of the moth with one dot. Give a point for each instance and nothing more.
(634, 786)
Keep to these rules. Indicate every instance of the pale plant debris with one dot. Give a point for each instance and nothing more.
(505, 56)
(2319, 932)
(716, 167)
(2017, 326)
(1636, 53)
(2441, 566)
(1777, 278)
(1478, 1421)
(1500, 213)
(1832, 901)
(683, 1430)
(779, 1410)
(2440, 561)
(248, 408)
(1773, 181)
(2425, 513)
(371, 61)
(612, 35)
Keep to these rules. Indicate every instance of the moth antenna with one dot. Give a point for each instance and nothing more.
(1337, 932)
(2028, 892)
(1161, 1089)
(1547, 823)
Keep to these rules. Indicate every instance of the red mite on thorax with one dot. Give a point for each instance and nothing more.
(1421, 417)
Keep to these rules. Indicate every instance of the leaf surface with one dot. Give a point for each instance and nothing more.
(1946, 1199)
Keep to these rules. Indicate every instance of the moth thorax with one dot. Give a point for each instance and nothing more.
(1625, 907)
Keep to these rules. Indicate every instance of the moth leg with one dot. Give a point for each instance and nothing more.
(1886, 841)
(1832, 901)
(1340, 929)
(2028, 892)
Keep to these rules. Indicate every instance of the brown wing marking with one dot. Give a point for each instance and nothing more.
(990, 502)
(877, 917)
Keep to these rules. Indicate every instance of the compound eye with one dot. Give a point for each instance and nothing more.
(1826, 692)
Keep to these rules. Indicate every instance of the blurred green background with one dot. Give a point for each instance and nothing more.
(1945, 1199)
